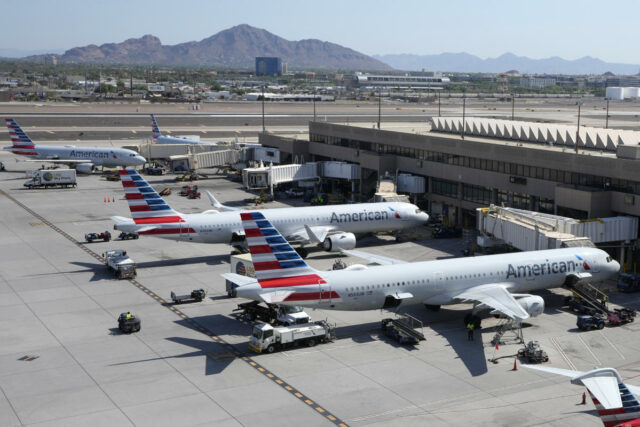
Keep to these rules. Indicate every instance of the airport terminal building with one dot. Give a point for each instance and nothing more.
(528, 166)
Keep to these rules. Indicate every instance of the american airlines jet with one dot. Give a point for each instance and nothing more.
(497, 282)
(332, 226)
(158, 138)
(84, 159)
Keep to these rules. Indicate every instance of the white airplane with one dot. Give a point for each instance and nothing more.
(158, 138)
(332, 226)
(614, 400)
(497, 282)
(84, 159)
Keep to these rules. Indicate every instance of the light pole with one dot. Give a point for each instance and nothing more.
(578, 128)
(438, 103)
(606, 124)
(314, 106)
(513, 106)
(464, 102)
(379, 106)
(263, 128)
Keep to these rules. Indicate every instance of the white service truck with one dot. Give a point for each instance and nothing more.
(118, 261)
(51, 178)
(266, 338)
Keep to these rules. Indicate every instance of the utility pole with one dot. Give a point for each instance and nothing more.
(314, 106)
(379, 106)
(464, 102)
(131, 84)
(513, 106)
(606, 124)
(578, 129)
(263, 128)
(438, 103)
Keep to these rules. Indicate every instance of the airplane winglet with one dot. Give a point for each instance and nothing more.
(216, 204)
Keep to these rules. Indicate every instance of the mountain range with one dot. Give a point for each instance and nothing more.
(466, 63)
(235, 47)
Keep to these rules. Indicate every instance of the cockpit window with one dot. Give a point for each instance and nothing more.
(418, 211)
(609, 259)
(132, 155)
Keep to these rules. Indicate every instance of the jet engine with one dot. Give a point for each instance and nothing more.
(532, 304)
(335, 242)
(85, 168)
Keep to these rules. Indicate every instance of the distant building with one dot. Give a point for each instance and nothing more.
(417, 80)
(268, 66)
(623, 81)
(537, 82)
(619, 93)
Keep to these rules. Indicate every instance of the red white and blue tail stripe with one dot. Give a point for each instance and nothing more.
(145, 204)
(154, 127)
(628, 415)
(20, 141)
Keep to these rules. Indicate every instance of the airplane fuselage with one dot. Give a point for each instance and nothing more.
(110, 157)
(437, 282)
(220, 227)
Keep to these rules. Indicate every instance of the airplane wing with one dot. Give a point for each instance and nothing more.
(315, 234)
(373, 258)
(604, 388)
(276, 296)
(496, 296)
(216, 204)
(239, 279)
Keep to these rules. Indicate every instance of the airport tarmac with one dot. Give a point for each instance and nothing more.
(223, 120)
(63, 362)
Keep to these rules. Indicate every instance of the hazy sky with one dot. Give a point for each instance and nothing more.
(570, 29)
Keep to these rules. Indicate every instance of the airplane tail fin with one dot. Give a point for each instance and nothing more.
(145, 204)
(216, 204)
(20, 141)
(614, 400)
(154, 128)
(274, 260)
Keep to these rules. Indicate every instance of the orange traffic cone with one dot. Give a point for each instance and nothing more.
(497, 348)
(105, 200)
(108, 200)
(515, 364)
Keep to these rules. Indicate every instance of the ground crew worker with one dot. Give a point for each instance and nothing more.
(470, 327)
(604, 299)
(128, 316)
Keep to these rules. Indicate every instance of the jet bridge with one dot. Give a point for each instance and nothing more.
(528, 230)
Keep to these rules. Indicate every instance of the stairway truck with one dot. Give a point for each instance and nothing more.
(239, 264)
(265, 338)
(51, 178)
(120, 264)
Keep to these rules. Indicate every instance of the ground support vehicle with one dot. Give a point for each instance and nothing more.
(155, 171)
(51, 178)
(165, 192)
(239, 264)
(196, 295)
(121, 265)
(628, 282)
(621, 316)
(104, 236)
(532, 353)
(580, 306)
(280, 315)
(266, 338)
(587, 323)
(447, 232)
(402, 329)
(128, 323)
(128, 235)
